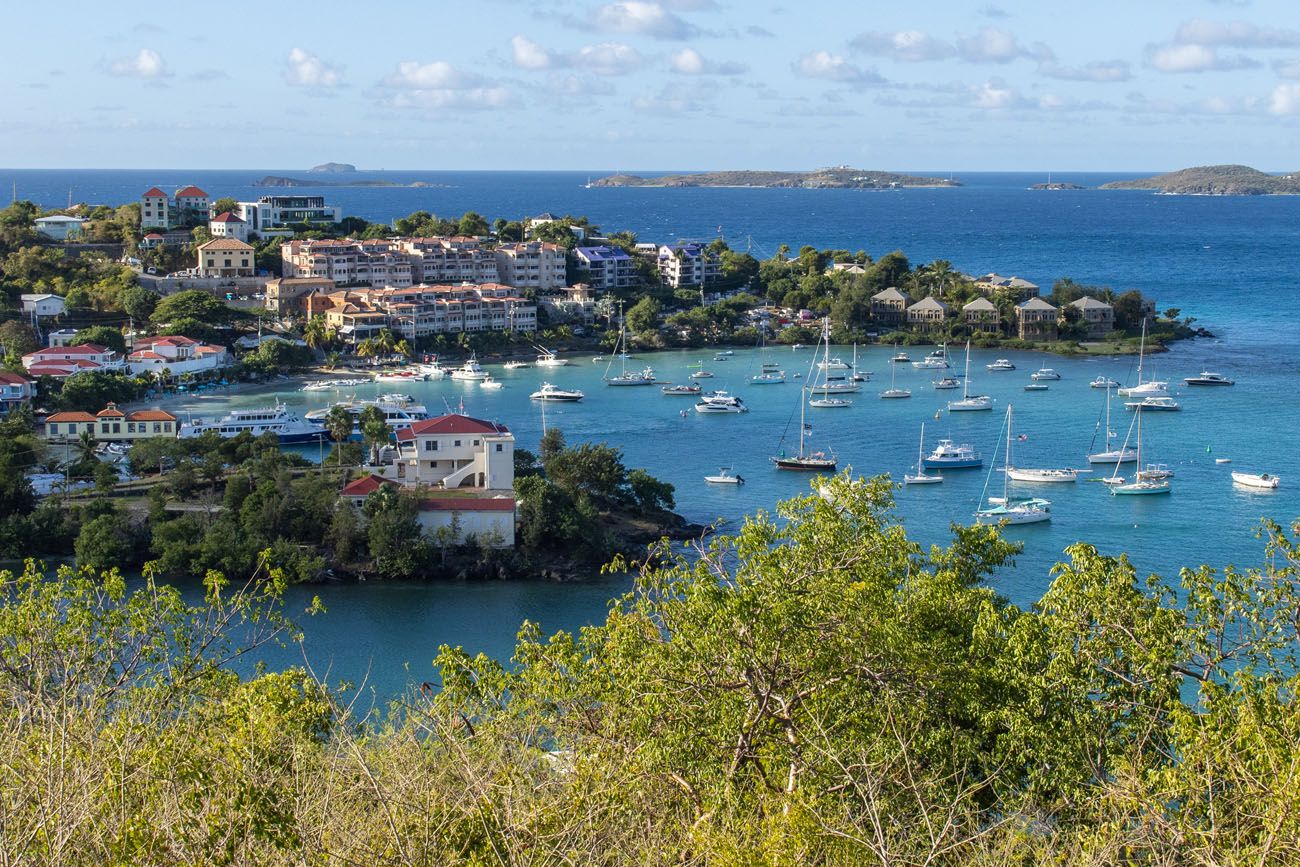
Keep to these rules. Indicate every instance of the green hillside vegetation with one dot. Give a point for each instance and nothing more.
(817, 689)
(1214, 181)
(838, 177)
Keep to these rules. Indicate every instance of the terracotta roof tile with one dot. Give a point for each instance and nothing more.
(364, 486)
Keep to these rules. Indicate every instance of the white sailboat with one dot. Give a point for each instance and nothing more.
(1150, 388)
(1005, 509)
(1108, 455)
(970, 402)
(625, 378)
(804, 460)
(859, 375)
(1040, 476)
(769, 372)
(1143, 482)
(921, 477)
(832, 379)
(893, 393)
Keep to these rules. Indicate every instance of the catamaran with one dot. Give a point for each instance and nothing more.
(921, 477)
(1031, 510)
(803, 460)
(969, 402)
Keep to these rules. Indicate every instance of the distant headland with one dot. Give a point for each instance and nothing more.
(1214, 181)
(839, 177)
(281, 181)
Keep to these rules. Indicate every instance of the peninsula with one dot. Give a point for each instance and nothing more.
(839, 177)
(1230, 180)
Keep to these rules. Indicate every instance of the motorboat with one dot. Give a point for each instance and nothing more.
(1209, 378)
(1103, 382)
(701, 374)
(921, 477)
(1155, 403)
(470, 371)
(400, 411)
(936, 360)
(949, 455)
(725, 477)
(969, 402)
(432, 369)
(333, 384)
(1044, 373)
(681, 390)
(830, 403)
(722, 356)
(549, 393)
(833, 364)
(768, 377)
(1001, 364)
(1140, 486)
(287, 426)
(1155, 472)
(399, 376)
(720, 402)
(900, 358)
(1122, 455)
(1007, 509)
(944, 383)
(515, 365)
(645, 376)
(1036, 386)
(1150, 388)
(490, 383)
(1265, 481)
(549, 358)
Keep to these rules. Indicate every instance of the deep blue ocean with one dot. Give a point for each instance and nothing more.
(1229, 262)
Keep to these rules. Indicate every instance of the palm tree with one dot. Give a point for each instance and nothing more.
(403, 348)
(367, 348)
(86, 447)
(316, 333)
(338, 421)
(385, 342)
(374, 430)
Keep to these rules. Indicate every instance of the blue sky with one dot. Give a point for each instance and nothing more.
(668, 84)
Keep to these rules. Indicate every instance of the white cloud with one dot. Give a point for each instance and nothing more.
(579, 85)
(529, 55)
(668, 101)
(1285, 100)
(307, 70)
(994, 94)
(146, 63)
(641, 18)
(1098, 70)
(440, 99)
(438, 75)
(908, 46)
(609, 58)
(990, 45)
(1287, 68)
(1199, 31)
(1193, 58)
(833, 67)
(688, 61)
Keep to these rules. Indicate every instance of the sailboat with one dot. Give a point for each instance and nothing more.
(770, 372)
(833, 380)
(1108, 455)
(1025, 474)
(1032, 510)
(1143, 482)
(1150, 388)
(859, 375)
(893, 392)
(921, 477)
(645, 377)
(969, 402)
(807, 461)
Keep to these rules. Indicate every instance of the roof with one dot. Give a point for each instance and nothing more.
(69, 416)
(56, 353)
(151, 415)
(468, 504)
(37, 296)
(153, 235)
(602, 252)
(1021, 283)
(1035, 303)
(192, 192)
(1088, 301)
(365, 486)
(980, 304)
(14, 379)
(227, 217)
(929, 303)
(145, 355)
(110, 411)
(890, 294)
(59, 218)
(233, 244)
(452, 423)
(154, 193)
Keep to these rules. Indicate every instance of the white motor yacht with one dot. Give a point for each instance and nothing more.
(1208, 378)
(1044, 373)
(720, 402)
(1001, 364)
(725, 477)
(470, 371)
(1155, 403)
(549, 358)
(1104, 382)
(949, 455)
(400, 411)
(1264, 481)
(554, 394)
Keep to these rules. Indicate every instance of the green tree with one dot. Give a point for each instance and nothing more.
(191, 304)
(338, 422)
(138, 302)
(374, 430)
(472, 224)
(644, 315)
(103, 335)
(18, 338)
(105, 542)
(224, 205)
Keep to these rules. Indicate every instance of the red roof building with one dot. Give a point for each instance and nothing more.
(191, 192)
(364, 487)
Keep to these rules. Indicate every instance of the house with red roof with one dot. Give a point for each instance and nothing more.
(227, 225)
(110, 424)
(177, 353)
(189, 206)
(61, 361)
(15, 391)
(155, 209)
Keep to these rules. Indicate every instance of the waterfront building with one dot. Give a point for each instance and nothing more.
(276, 214)
(532, 265)
(889, 306)
(347, 262)
(61, 361)
(1036, 320)
(287, 295)
(59, 227)
(177, 354)
(928, 314)
(42, 304)
(227, 225)
(687, 264)
(423, 311)
(607, 267)
(449, 260)
(225, 257)
(1016, 286)
(576, 304)
(1096, 314)
(15, 391)
(980, 314)
(110, 424)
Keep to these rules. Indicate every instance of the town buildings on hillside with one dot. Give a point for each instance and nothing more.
(61, 361)
(59, 227)
(225, 257)
(607, 267)
(271, 215)
(15, 391)
(532, 265)
(189, 206)
(687, 264)
(110, 424)
(176, 354)
(227, 225)
(423, 311)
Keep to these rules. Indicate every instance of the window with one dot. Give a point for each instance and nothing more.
(54, 427)
(476, 442)
(103, 428)
(456, 444)
(430, 445)
(157, 428)
(500, 448)
(130, 427)
(117, 428)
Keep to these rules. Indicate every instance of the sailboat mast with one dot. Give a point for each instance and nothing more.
(1138, 410)
(965, 380)
(1142, 348)
(803, 408)
(920, 450)
(1006, 476)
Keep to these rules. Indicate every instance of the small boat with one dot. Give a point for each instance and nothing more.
(701, 374)
(722, 356)
(720, 402)
(830, 403)
(1155, 472)
(833, 380)
(921, 477)
(554, 394)
(944, 383)
(900, 358)
(626, 378)
(515, 365)
(1044, 373)
(597, 359)
(1208, 378)
(725, 477)
(1001, 364)
(431, 369)
(969, 402)
(1255, 480)
(768, 377)
(936, 360)
(833, 364)
(1036, 386)
(399, 376)
(489, 382)
(1223, 460)
(470, 371)
(949, 455)
(1006, 509)
(1155, 403)
(549, 358)
(1103, 382)
(680, 390)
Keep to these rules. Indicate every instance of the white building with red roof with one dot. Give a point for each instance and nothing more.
(177, 353)
(227, 225)
(111, 424)
(189, 206)
(61, 361)
(15, 391)
(155, 209)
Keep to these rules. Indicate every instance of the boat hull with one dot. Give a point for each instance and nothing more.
(1140, 489)
(1249, 480)
(1053, 477)
(806, 465)
(1127, 457)
(922, 480)
(953, 463)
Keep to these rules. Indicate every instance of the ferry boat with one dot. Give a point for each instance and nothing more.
(720, 402)
(400, 411)
(279, 420)
(949, 455)
(549, 393)
(470, 371)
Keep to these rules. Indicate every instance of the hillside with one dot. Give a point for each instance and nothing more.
(840, 177)
(1214, 181)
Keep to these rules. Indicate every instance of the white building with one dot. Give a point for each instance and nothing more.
(15, 391)
(177, 354)
(274, 214)
(60, 228)
(687, 264)
(227, 225)
(60, 337)
(225, 257)
(608, 267)
(532, 265)
(43, 304)
(481, 518)
(347, 263)
(189, 207)
(155, 209)
(61, 361)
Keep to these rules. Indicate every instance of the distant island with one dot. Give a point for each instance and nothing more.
(840, 177)
(332, 169)
(281, 181)
(1214, 181)
(1057, 185)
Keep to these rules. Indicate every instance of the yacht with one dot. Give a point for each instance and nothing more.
(554, 394)
(1001, 364)
(894, 393)
(803, 460)
(1044, 476)
(1149, 388)
(830, 403)
(701, 374)
(1155, 403)
(768, 377)
(626, 377)
(399, 376)
(680, 390)
(1141, 485)
(470, 371)
(969, 402)
(431, 368)
(1208, 378)
(279, 420)
(936, 360)
(644, 377)
(1044, 373)
(1123, 455)
(400, 411)
(831, 382)
(490, 383)
(720, 402)
(833, 364)
(921, 477)
(949, 455)
(725, 477)
(515, 365)
(549, 358)
(1104, 382)
(1009, 510)
(1036, 386)
(1266, 481)
(945, 383)
(900, 358)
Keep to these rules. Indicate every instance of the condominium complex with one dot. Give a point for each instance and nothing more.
(277, 213)
(398, 262)
(687, 264)
(423, 311)
(188, 207)
(532, 265)
(607, 267)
